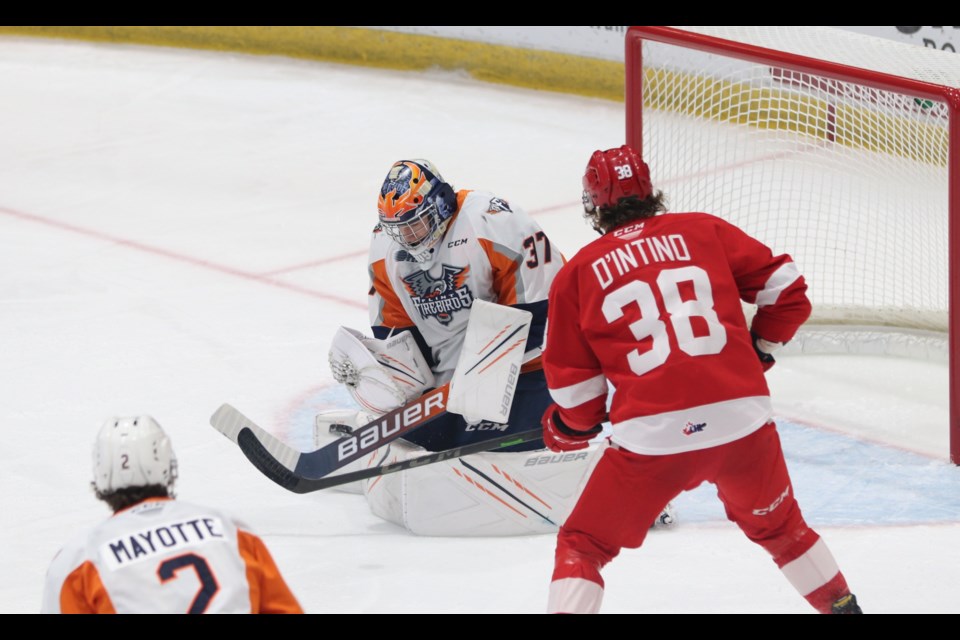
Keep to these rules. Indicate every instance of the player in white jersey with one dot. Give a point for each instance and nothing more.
(157, 554)
(434, 251)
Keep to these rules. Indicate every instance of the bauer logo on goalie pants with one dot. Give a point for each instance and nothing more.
(397, 421)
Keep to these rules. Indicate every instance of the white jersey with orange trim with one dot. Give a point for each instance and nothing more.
(167, 556)
(491, 251)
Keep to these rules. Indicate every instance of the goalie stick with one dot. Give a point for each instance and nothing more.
(500, 355)
(263, 460)
(327, 459)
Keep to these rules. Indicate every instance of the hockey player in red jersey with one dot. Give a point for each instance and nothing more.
(653, 307)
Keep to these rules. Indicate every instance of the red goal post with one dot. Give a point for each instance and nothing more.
(839, 148)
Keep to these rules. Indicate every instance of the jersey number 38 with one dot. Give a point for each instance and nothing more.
(688, 299)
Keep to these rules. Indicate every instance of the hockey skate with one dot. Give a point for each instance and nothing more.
(846, 605)
(666, 519)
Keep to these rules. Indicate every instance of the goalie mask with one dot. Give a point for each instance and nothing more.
(614, 174)
(132, 452)
(415, 206)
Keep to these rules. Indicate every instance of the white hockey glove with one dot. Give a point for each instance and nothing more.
(380, 375)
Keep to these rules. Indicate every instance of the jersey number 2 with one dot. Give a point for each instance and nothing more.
(208, 584)
(651, 330)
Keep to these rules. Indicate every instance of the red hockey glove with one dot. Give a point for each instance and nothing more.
(764, 349)
(559, 437)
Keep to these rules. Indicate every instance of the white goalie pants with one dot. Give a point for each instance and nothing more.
(485, 494)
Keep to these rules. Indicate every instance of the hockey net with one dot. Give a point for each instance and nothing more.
(833, 146)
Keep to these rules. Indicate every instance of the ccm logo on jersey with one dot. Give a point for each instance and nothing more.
(456, 243)
(692, 428)
(630, 228)
(391, 424)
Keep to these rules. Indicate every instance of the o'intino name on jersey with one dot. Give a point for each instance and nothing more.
(440, 297)
(629, 256)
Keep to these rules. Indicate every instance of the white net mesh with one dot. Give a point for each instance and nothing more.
(852, 49)
(850, 180)
(869, 341)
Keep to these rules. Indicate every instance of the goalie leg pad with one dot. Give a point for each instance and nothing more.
(380, 375)
(487, 494)
(386, 495)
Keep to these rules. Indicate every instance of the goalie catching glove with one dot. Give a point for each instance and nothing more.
(380, 375)
(559, 437)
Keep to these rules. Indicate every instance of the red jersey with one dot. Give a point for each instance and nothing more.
(654, 308)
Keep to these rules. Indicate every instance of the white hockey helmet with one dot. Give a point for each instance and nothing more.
(132, 452)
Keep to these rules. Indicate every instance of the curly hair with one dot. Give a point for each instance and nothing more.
(628, 209)
(129, 496)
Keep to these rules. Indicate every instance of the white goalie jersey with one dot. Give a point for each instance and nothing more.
(491, 251)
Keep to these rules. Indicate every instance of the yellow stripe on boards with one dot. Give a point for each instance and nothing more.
(541, 70)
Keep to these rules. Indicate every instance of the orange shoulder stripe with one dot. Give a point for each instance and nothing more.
(393, 313)
(83, 592)
(269, 592)
(504, 273)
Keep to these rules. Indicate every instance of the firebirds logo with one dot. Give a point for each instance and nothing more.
(497, 205)
(440, 297)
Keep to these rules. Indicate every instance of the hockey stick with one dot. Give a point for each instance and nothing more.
(327, 459)
(499, 355)
(257, 454)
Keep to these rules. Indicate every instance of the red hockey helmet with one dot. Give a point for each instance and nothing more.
(614, 174)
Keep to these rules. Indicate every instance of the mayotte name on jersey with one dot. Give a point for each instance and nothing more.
(151, 541)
